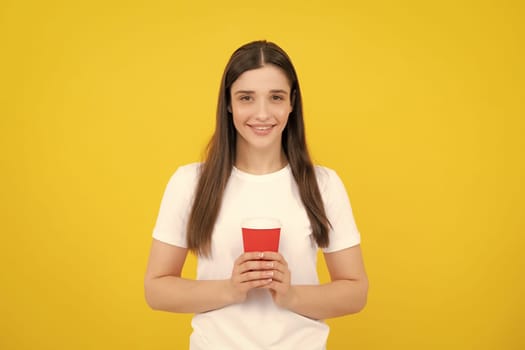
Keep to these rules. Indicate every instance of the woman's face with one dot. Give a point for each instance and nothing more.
(260, 104)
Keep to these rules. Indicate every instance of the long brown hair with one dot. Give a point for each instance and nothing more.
(217, 167)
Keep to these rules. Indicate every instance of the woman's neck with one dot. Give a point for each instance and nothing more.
(260, 162)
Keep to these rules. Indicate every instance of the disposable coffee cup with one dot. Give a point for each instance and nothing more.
(261, 234)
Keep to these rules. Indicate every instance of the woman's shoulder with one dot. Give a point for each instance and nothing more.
(324, 174)
(190, 168)
(186, 173)
(331, 185)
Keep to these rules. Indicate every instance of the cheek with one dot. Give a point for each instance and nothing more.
(236, 122)
(283, 114)
(239, 117)
(241, 112)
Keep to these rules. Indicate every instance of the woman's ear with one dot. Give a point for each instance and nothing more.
(229, 108)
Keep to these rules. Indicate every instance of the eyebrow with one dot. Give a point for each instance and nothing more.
(273, 91)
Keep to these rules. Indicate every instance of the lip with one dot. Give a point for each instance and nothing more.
(261, 129)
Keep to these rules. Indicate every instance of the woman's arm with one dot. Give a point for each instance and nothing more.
(345, 294)
(165, 289)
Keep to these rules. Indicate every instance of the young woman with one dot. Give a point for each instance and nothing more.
(257, 165)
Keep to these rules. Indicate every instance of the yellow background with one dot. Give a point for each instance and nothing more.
(418, 105)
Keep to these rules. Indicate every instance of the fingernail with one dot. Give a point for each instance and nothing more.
(261, 255)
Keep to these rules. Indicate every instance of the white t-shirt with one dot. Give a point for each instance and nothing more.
(258, 323)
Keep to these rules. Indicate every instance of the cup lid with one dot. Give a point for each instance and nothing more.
(261, 223)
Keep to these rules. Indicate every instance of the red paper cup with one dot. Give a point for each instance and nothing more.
(261, 234)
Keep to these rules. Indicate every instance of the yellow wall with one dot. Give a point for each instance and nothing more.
(418, 106)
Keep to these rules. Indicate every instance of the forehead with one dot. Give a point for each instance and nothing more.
(268, 77)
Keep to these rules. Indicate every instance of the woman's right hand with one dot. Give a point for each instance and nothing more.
(250, 271)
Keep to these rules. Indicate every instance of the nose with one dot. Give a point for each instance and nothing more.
(263, 110)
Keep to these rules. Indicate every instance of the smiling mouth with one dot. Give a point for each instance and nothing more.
(262, 128)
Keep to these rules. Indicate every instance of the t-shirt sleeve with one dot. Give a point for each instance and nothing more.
(344, 233)
(175, 207)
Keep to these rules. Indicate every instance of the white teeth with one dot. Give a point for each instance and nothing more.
(261, 128)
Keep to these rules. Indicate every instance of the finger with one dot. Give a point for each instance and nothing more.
(258, 283)
(246, 280)
(271, 256)
(278, 287)
(248, 256)
(274, 256)
(281, 277)
(258, 265)
(256, 275)
(280, 267)
(255, 265)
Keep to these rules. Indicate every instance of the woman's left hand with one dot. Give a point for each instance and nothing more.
(280, 287)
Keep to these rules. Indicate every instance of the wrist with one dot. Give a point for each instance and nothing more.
(229, 293)
(292, 299)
